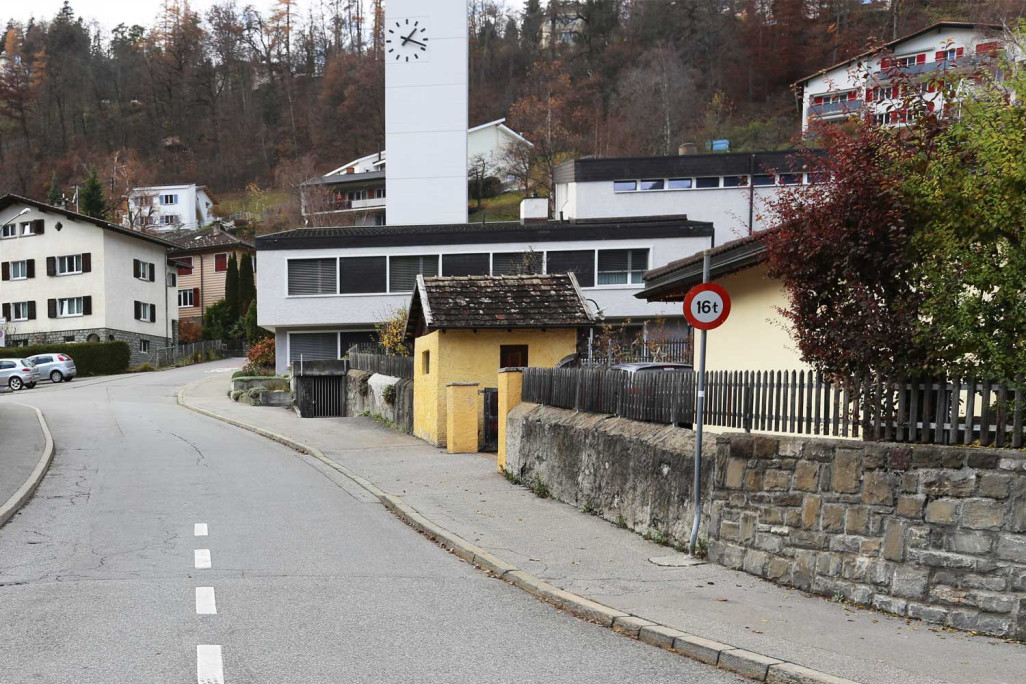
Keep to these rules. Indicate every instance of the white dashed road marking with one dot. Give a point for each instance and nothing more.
(202, 559)
(200, 530)
(209, 665)
(205, 604)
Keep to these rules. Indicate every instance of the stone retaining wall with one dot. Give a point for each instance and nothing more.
(365, 393)
(929, 532)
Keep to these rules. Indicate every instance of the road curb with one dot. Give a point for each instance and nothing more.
(24, 493)
(755, 666)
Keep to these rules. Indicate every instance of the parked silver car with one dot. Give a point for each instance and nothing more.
(18, 373)
(57, 367)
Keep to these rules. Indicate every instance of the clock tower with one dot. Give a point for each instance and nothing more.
(426, 77)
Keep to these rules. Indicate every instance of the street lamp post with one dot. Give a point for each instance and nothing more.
(591, 330)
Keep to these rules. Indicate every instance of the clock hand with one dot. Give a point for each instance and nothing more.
(415, 42)
(409, 38)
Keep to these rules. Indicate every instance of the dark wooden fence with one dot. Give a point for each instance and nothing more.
(396, 366)
(796, 402)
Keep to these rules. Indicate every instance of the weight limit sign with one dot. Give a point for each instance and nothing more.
(706, 306)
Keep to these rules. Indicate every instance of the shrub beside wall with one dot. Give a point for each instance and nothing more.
(91, 358)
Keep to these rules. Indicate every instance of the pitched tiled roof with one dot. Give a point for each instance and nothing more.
(517, 301)
(208, 238)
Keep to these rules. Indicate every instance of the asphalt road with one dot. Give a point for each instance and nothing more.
(103, 577)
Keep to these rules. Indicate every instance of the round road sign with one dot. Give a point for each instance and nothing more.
(706, 306)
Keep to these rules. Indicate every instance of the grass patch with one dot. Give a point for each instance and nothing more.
(589, 509)
(621, 522)
(540, 489)
(504, 207)
(378, 418)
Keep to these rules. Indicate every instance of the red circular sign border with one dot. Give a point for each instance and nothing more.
(697, 290)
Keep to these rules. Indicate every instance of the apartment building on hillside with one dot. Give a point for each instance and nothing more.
(169, 208)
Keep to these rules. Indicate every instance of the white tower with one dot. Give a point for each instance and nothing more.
(426, 78)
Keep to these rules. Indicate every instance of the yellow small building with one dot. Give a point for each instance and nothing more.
(465, 328)
(755, 336)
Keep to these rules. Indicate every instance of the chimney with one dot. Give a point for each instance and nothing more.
(534, 209)
(216, 228)
(687, 148)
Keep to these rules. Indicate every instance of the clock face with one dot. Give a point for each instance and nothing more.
(407, 40)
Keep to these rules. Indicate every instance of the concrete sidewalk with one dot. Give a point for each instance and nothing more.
(22, 443)
(593, 558)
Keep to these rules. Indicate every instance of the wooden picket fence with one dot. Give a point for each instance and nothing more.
(396, 366)
(936, 411)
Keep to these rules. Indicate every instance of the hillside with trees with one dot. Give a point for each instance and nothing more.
(238, 98)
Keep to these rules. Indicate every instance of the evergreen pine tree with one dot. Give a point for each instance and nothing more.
(247, 286)
(91, 200)
(54, 194)
(231, 289)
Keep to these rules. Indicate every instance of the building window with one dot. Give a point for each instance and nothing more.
(465, 264)
(653, 184)
(735, 181)
(69, 338)
(32, 227)
(144, 270)
(621, 266)
(379, 193)
(9, 231)
(579, 262)
(516, 263)
(71, 306)
(425, 363)
(220, 262)
(513, 356)
(19, 270)
(170, 219)
(145, 312)
(313, 276)
(186, 298)
(313, 346)
(403, 271)
(185, 270)
(144, 346)
(169, 199)
(363, 275)
(707, 182)
(625, 186)
(790, 179)
(69, 265)
(679, 184)
(23, 311)
(172, 280)
(761, 179)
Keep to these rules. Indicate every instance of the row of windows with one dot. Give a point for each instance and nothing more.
(146, 200)
(70, 264)
(23, 229)
(380, 274)
(220, 264)
(710, 182)
(64, 307)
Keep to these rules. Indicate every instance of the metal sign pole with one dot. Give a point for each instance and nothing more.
(699, 422)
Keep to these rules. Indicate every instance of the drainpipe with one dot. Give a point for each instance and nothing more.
(751, 194)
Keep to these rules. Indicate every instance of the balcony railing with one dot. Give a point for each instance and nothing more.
(834, 109)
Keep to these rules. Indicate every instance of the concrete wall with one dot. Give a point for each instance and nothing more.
(631, 473)
(931, 532)
(365, 393)
(755, 336)
(468, 356)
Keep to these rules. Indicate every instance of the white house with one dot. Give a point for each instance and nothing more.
(355, 192)
(168, 208)
(878, 79)
(67, 277)
(729, 190)
(322, 289)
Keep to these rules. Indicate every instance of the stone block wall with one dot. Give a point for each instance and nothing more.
(365, 393)
(99, 335)
(930, 532)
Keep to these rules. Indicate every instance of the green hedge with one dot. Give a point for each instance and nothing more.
(91, 358)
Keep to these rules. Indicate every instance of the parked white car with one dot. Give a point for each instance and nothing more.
(56, 367)
(18, 373)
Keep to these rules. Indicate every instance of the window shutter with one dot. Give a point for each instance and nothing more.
(135, 268)
(869, 94)
(153, 313)
(312, 276)
(403, 271)
(51, 266)
(38, 226)
(32, 311)
(87, 262)
(51, 308)
(153, 273)
(818, 100)
(362, 275)
(87, 306)
(464, 264)
(138, 312)
(939, 56)
(5, 271)
(579, 262)
(195, 296)
(313, 346)
(30, 268)
(959, 52)
(7, 311)
(852, 95)
(921, 59)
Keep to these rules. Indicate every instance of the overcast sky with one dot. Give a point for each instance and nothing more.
(109, 13)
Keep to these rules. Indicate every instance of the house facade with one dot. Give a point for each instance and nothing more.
(169, 208)
(71, 278)
(201, 264)
(354, 194)
(321, 290)
(730, 190)
(877, 82)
